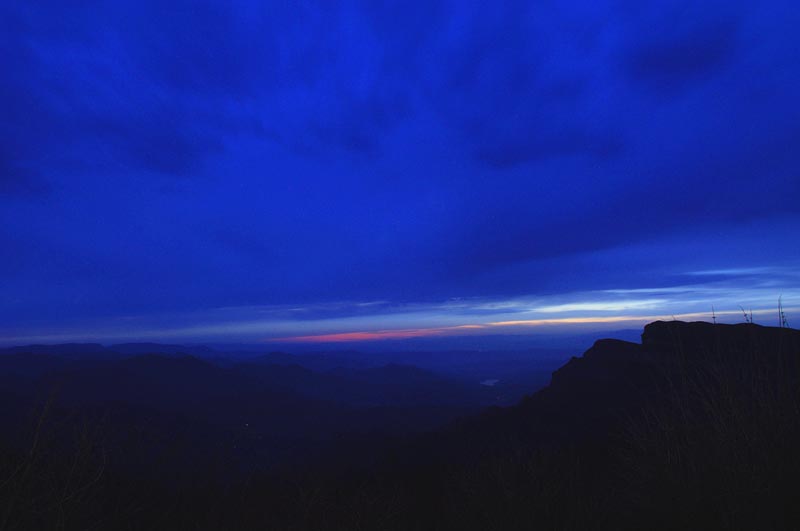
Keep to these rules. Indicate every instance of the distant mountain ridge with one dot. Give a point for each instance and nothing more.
(263, 412)
(273, 395)
(693, 427)
(590, 396)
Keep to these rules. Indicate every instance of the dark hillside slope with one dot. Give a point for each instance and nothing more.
(252, 416)
(590, 395)
(697, 427)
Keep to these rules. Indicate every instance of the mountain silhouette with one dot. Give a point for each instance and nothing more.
(693, 427)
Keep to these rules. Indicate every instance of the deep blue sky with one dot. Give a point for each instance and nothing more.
(241, 171)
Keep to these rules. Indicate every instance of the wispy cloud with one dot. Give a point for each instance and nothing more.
(518, 327)
(743, 271)
(357, 321)
(604, 306)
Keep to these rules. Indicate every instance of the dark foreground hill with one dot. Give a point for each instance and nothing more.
(249, 415)
(590, 397)
(696, 427)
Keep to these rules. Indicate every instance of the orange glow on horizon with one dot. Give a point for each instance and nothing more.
(362, 336)
(444, 331)
(409, 333)
(376, 335)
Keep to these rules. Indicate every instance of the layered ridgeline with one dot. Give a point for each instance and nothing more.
(172, 411)
(592, 395)
(696, 427)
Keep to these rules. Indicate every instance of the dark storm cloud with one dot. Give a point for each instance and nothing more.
(673, 44)
(195, 154)
(737, 166)
(510, 152)
(513, 78)
(306, 70)
(19, 114)
(20, 181)
(671, 63)
(73, 99)
(168, 82)
(162, 139)
(514, 87)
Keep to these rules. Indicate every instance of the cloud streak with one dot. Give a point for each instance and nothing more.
(371, 321)
(175, 158)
